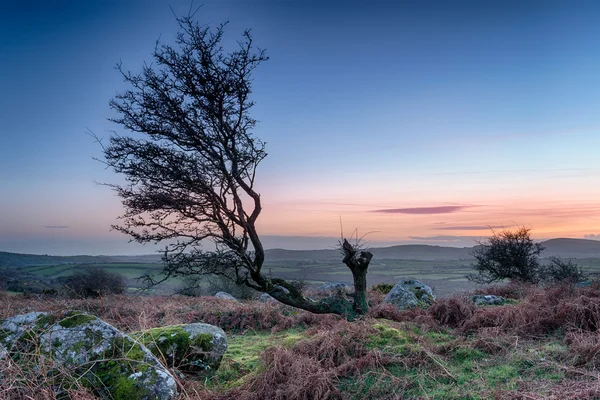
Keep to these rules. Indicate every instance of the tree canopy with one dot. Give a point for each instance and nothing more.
(507, 255)
(191, 162)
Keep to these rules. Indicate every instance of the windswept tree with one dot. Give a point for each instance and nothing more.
(190, 166)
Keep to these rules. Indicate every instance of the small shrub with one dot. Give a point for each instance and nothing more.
(559, 270)
(383, 288)
(453, 311)
(507, 255)
(94, 282)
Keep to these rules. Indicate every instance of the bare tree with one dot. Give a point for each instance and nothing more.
(190, 169)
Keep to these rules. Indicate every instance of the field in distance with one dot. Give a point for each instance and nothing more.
(443, 268)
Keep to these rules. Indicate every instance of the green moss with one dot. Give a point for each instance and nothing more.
(203, 341)
(391, 340)
(110, 379)
(125, 389)
(113, 368)
(123, 347)
(4, 333)
(466, 354)
(75, 319)
(43, 321)
(501, 375)
(172, 344)
(242, 359)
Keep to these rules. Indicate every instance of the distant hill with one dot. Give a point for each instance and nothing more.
(24, 260)
(565, 248)
(562, 247)
(400, 252)
(571, 248)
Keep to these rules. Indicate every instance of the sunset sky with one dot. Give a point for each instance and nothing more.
(414, 122)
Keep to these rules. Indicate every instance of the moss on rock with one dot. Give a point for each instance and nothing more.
(193, 348)
(73, 319)
(100, 356)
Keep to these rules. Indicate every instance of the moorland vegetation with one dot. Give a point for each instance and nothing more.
(543, 344)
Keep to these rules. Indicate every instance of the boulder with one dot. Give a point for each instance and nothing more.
(193, 348)
(267, 298)
(488, 300)
(334, 287)
(410, 293)
(225, 296)
(103, 358)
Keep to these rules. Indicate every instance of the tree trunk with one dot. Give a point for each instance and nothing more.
(287, 293)
(358, 266)
(361, 305)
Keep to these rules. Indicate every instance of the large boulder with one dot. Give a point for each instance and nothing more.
(103, 358)
(193, 348)
(410, 293)
(225, 296)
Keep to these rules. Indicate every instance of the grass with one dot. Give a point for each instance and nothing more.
(545, 345)
(243, 355)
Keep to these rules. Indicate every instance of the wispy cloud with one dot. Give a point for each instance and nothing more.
(467, 228)
(422, 210)
(592, 236)
(56, 226)
(444, 238)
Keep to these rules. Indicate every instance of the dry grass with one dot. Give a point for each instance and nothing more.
(30, 376)
(336, 359)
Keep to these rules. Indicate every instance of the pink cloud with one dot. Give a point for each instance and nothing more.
(422, 210)
(468, 228)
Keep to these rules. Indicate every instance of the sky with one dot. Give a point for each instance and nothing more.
(410, 122)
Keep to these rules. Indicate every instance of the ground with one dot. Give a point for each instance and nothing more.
(543, 345)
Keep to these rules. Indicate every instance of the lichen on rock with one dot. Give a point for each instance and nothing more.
(108, 361)
(193, 348)
(410, 293)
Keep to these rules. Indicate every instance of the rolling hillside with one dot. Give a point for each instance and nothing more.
(562, 247)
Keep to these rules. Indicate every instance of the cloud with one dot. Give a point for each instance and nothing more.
(592, 236)
(444, 238)
(422, 210)
(468, 228)
(56, 226)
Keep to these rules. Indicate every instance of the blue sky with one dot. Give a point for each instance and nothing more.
(472, 113)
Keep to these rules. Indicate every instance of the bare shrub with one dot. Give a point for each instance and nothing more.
(337, 345)
(542, 312)
(289, 376)
(416, 315)
(29, 375)
(582, 312)
(585, 348)
(453, 311)
(94, 282)
(559, 270)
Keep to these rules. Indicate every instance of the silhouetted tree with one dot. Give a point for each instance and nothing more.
(507, 255)
(559, 270)
(190, 168)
